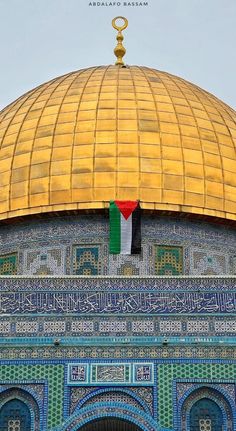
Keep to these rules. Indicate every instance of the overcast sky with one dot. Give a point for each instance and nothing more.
(41, 39)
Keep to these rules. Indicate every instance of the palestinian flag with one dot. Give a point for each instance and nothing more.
(125, 227)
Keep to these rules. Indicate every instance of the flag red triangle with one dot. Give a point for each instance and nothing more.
(126, 207)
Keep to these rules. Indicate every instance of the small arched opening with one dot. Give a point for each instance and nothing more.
(19, 410)
(206, 409)
(15, 416)
(206, 415)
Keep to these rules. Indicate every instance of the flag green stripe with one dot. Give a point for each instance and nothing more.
(114, 228)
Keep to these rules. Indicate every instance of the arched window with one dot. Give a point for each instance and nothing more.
(206, 415)
(15, 416)
(206, 409)
(19, 410)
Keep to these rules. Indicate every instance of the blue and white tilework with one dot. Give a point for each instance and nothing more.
(77, 373)
(143, 373)
(129, 326)
(128, 302)
(44, 261)
(117, 374)
(108, 321)
(48, 246)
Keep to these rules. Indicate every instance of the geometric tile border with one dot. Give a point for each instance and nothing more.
(141, 352)
(44, 326)
(80, 283)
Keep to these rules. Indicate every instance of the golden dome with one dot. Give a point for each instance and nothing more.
(112, 132)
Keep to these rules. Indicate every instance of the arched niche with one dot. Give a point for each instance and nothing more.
(206, 409)
(206, 415)
(19, 411)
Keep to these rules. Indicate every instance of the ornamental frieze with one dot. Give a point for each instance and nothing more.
(117, 302)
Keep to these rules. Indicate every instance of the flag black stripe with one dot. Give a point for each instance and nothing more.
(136, 231)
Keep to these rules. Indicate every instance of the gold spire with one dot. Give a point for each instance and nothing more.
(120, 50)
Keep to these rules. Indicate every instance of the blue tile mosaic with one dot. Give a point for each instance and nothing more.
(86, 260)
(49, 246)
(118, 303)
(130, 343)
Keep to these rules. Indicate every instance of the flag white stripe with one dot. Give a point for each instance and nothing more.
(125, 234)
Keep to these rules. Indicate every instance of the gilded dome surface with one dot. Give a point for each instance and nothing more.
(112, 132)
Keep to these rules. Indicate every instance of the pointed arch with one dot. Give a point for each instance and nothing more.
(100, 392)
(104, 410)
(17, 404)
(217, 405)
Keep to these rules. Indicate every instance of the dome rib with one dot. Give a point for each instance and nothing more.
(95, 132)
(109, 132)
(72, 79)
(16, 142)
(143, 69)
(31, 174)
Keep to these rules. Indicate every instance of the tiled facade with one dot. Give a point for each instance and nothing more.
(79, 245)
(87, 335)
(178, 384)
